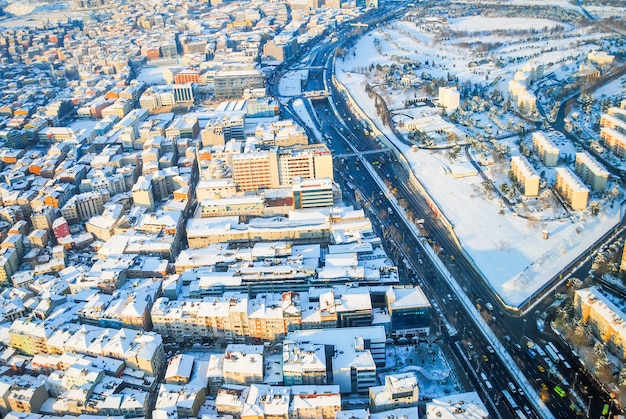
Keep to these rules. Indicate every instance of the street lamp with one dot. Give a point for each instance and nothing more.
(589, 405)
(523, 327)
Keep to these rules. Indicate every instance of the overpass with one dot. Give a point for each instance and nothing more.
(362, 153)
(316, 94)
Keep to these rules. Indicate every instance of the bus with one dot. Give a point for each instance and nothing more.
(509, 400)
(553, 355)
(605, 409)
(551, 346)
(566, 365)
(558, 390)
(540, 351)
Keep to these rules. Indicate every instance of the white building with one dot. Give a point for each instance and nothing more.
(449, 98)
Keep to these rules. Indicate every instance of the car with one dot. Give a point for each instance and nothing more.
(490, 349)
(541, 368)
(528, 411)
(485, 358)
(470, 346)
(449, 297)
(544, 387)
(518, 346)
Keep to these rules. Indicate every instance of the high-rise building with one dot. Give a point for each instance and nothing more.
(256, 170)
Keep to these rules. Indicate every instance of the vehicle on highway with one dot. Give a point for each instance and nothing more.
(575, 409)
(541, 368)
(512, 387)
(489, 306)
(544, 387)
(558, 390)
(486, 381)
(490, 349)
(508, 399)
(605, 409)
(485, 358)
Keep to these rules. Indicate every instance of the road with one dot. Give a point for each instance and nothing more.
(346, 135)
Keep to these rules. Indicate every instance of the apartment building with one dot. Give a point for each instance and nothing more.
(307, 162)
(604, 317)
(221, 129)
(304, 363)
(83, 206)
(313, 404)
(613, 131)
(545, 147)
(143, 195)
(571, 189)
(243, 364)
(449, 98)
(526, 175)
(591, 171)
(256, 170)
(9, 264)
(183, 128)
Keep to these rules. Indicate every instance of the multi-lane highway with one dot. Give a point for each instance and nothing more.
(357, 152)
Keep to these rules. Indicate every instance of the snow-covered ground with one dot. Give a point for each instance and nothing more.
(509, 250)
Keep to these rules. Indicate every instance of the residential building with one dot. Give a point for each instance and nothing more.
(525, 175)
(304, 363)
(545, 148)
(604, 318)
(143, 195)
(318, 402)
(449, 98)
(179, 369)
(571, 188)
(256, 170)
(243, 364)
(591, 171)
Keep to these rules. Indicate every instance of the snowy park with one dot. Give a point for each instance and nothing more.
(518, 249)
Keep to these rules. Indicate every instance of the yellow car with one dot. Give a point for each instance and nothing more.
(541, 368)
(544, 387)
(485, 358)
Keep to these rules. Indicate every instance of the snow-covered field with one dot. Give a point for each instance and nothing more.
(509, 250)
